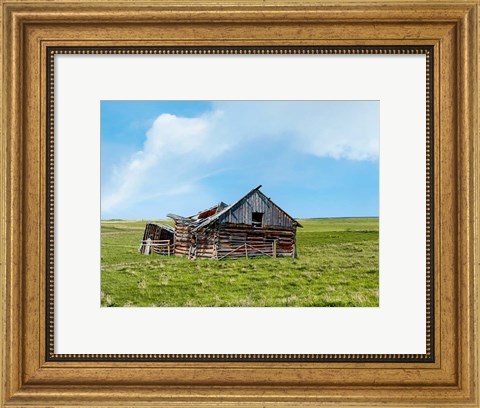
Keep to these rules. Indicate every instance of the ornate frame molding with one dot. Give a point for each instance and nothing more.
(30, 29)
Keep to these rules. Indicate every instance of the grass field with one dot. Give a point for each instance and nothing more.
(337, 265)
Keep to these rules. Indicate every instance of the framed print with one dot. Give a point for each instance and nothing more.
(246, 204)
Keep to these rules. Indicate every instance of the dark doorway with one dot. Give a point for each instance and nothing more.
(257, 219)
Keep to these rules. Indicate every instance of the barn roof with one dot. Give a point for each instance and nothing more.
(208, 216)
(208, 221)
(210, 211)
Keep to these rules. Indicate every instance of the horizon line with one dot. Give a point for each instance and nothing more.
(296, 218)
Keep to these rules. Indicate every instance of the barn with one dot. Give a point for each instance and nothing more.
(252, 226)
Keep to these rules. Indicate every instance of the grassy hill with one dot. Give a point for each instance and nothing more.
(337, 265)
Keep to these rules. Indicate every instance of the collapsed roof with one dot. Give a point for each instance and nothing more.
(201, 216)
(206, 217)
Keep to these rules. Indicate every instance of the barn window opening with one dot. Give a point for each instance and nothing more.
(257, 219)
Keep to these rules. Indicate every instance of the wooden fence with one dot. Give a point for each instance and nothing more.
(159, 247)
(249, 251)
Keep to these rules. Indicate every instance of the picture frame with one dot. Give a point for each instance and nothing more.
(31, 377)
(252, 332)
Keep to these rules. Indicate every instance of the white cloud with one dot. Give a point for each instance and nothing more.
(172, 149)
(179, 152)
(341, 130)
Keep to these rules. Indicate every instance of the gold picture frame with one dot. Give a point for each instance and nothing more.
(33, 375)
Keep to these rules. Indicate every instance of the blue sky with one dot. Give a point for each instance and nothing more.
(313, 158)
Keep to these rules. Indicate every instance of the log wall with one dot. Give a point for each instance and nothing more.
(206, 241)
(259, 241)
(229, 240)
(183, 239)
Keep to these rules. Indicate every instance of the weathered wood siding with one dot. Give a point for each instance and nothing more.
(259, 241)
(156, 232)
(220, 241)
(273, 216)
(235, 234)
(198, 245)
(183, 238)
(205, 244)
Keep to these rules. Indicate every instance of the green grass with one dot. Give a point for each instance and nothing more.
(337, 266)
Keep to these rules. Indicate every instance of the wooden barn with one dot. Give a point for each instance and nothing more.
(252, 226)
(158, 239)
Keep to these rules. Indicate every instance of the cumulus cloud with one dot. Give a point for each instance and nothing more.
(179, 152)
(156, 168)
